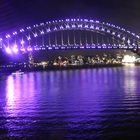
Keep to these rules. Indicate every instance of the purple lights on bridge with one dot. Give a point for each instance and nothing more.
(26, 38)
(15, 49)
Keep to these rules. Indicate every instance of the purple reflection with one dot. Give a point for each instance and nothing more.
(10, 91)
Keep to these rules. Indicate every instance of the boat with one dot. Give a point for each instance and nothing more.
(19, 72)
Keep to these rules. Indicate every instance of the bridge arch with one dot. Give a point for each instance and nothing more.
(25, 35)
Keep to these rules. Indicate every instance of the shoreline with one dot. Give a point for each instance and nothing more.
(55, 68)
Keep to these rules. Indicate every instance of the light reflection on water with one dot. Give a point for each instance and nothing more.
(74, 104)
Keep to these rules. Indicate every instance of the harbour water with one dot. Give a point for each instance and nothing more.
(102, 103)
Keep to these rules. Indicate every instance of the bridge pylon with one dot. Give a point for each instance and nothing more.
(30, 60)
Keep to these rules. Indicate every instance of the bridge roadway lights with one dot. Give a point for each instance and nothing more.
(31, 33)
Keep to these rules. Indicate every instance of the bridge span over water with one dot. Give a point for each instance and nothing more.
(69, 34)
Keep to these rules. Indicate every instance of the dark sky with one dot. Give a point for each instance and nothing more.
(18, 13)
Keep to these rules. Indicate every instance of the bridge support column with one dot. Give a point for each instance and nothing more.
(30, 60)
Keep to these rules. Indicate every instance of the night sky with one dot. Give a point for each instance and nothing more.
(20, 13)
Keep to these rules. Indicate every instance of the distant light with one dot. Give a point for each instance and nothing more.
(129, 59)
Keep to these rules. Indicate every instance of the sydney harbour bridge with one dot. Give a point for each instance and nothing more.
(69, 34)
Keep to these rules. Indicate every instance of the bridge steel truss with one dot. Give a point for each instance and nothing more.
(21, 40)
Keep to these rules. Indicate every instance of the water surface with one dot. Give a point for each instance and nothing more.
(73, 104)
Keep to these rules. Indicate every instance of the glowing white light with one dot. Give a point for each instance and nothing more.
(103, 29)
(22, 49)
(86, 26)
(42, 32)
(134, 44)
(97, 21)
(8, 50)
(28, 38)
(129, 59)
(22, 42)
(61, 27)
(41, 24)
(14, 33)
(86, 20)
(48, 30)
(21, 30)
(73, 26)
(108, 31)
(113, 33)
(35, 35)
(119, 35)
(29, 49)
(50, 48)
(128, 41)
(15, 49)
(79, 25)
(124, 38)
(97, 28)
(28, 27)
(91, 27)
(55, 29)
(8, 36)
(67, 26)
